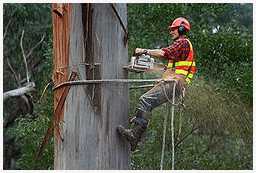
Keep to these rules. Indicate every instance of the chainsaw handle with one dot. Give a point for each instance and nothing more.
(137, 54)
(134, 54)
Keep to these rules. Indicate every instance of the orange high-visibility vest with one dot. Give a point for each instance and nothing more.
(186, 67)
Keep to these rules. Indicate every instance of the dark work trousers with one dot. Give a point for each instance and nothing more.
(157, 96)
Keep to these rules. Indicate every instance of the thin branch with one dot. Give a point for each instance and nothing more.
(212, 145)
(15, 76)
(185, 136)
(6, 28)
(31, 50)
(29, 53)
(24, 56)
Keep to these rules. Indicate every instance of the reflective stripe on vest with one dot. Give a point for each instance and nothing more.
(185, 63)
(185, 67)
(182, 63)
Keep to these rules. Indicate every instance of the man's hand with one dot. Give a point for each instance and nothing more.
(138, 51)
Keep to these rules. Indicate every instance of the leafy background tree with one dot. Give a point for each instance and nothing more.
(25, 124)
(214, 132)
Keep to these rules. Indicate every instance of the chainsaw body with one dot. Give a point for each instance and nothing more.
(143, 61)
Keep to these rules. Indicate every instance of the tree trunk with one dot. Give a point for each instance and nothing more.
(96, 50)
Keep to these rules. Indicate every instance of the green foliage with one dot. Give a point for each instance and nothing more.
(29, 133)
(226, 60)
(35, 20)
(28, 130)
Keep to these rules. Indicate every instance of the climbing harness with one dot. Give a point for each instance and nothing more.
(181, 102)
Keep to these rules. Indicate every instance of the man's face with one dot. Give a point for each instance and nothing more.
(175, 33)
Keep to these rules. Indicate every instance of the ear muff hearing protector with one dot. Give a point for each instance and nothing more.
(182, 30)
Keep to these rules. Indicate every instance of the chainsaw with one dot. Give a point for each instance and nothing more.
(142, 63)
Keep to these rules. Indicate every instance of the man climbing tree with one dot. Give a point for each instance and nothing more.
(181, 68)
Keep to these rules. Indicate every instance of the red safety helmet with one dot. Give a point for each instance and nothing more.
(180, 22)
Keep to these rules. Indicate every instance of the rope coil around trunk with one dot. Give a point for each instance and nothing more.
(84, 82)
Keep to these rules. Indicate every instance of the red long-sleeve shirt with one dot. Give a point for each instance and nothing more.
(179, 50)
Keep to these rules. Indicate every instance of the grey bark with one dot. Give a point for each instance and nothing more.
(19, 92)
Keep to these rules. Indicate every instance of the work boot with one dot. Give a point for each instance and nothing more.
(134, 135)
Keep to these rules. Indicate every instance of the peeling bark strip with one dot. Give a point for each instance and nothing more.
(56, 115)
(58, 8)
(61, 20)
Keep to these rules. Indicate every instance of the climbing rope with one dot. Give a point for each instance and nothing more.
(172, 128)
(165, 120)
(172, 118)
